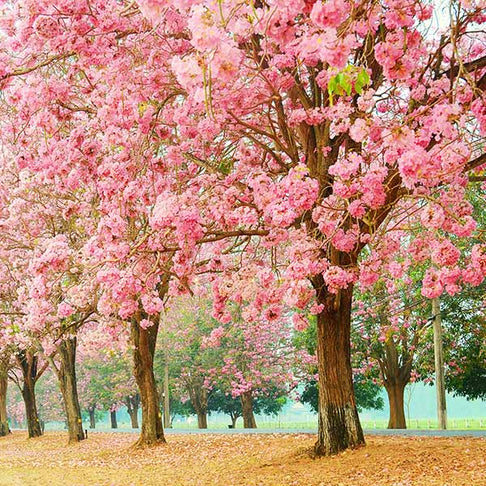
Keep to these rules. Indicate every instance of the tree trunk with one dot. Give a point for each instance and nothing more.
(397, 410)
(202, 420)
(143, 368)
(4, 428)
(167, 421)
(28, 365)
(114, 423)
(439, 365)
(234, 418)
(339, 425)
(69, 390)
(33, 423)
(199, 399)
(249, 421)
(133, 403)
(92, 418)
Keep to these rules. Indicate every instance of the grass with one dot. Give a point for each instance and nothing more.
(217, 460)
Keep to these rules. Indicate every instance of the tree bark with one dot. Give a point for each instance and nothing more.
(249, 421)
(28, 365)
(339, 425)
(167, 421)
(114, 423)
(199, 399)
(4, 428)
(143, 368)
(66, 374)
(92, 417)
(395, 393)
(234, 418)
(439, 365)
(133, 403)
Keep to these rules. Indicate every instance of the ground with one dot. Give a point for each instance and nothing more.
(217, 460)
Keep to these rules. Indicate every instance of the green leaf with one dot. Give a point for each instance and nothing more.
(363, 77)
(332, 85)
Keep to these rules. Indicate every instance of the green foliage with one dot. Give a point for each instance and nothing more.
(366, 392)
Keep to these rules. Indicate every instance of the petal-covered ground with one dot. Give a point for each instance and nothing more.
(108, 459)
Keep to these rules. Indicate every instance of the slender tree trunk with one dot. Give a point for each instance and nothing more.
(69, 390)
(439, 365)
(4, 428)
(92, 417)
(134, 418)
(114, 423)
(234, 418)
(339, 425)
(143, 367)
(33, 423)
(395, 393)
(28, 365)
(199, 399)
(167, 422)
(133, 403)
(249, 421)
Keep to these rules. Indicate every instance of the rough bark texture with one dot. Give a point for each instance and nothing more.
(249, 421)
(143, 368)
(339, 426)
(199, 399)
(114, 423)
(133, 404)
(28, 365)
(4, 428)
(397, 409)
(69, 390)
(92, 417)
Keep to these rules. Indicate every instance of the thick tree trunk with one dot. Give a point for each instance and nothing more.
(28, 365)
(92, 417)
(249, 421)
(143, 368)
(69, 390)
(114, 423)
(397, 410)
(4, 428)
(339, 425)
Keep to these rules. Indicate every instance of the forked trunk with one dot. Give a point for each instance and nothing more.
(28, 365)
(92, 417)
(234, 419)
(4, 428)
(114, 423)
(397, 410)
(143, 368)
(339, 425)
(69, 390)
(199, 399)
(249, 421)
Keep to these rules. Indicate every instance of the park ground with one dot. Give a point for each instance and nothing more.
(230, 460)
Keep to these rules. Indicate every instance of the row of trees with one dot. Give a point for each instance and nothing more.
(275, 158)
